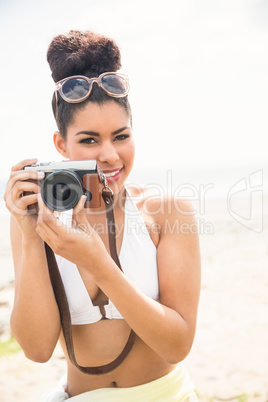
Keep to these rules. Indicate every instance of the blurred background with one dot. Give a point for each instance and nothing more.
(199, 85)
(198, 74)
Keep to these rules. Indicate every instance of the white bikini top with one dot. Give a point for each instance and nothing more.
(138, 261)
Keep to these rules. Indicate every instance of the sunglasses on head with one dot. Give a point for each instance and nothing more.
(78, 87)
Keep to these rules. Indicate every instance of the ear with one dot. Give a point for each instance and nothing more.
(60, 144)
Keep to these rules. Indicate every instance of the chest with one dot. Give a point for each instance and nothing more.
(138, 257)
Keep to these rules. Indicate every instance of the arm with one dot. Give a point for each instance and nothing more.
(167, 327)
(35, 319)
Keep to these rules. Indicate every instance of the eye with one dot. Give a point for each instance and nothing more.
(121, 137)
(88, 140)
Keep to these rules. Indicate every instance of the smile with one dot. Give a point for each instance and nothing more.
(112, 174)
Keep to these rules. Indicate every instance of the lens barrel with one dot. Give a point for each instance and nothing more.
(61, 190)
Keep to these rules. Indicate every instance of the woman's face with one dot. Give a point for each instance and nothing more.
(101, 132)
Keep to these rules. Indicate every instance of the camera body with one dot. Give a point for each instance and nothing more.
(66, 181)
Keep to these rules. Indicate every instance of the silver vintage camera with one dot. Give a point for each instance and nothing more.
(66, 181)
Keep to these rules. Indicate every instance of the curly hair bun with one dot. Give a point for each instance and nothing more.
(82, 53)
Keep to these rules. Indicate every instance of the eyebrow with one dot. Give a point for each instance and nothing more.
(95, 134)
(120, 130)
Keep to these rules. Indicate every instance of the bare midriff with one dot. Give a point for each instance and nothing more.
(100, 343)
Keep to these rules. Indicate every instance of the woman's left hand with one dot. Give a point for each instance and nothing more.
(79, 244)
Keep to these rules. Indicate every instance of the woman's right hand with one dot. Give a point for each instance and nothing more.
(21, 193)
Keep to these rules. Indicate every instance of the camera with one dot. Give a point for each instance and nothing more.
(66, 181)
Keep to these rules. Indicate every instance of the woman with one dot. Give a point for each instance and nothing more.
(157, 293)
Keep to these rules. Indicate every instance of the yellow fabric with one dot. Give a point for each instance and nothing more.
(175, 386)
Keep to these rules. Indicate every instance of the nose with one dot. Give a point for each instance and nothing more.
(108, 153)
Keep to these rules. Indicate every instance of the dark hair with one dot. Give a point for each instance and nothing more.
(82, 53)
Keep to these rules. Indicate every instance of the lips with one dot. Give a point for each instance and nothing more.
(113, 175)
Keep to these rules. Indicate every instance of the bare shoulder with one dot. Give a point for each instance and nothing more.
(148, 200)
(163, 214)
(155, 202)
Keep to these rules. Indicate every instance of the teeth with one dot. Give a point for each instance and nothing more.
(112, 174)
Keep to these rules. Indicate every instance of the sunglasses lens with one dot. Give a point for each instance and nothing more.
(75, 89)
(114, 84)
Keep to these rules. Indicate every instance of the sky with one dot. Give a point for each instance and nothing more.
(198, 73)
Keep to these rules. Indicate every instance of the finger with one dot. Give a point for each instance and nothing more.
(22, 164)
(80, 222)
(23, 176)
(79, 210)
(20, 189)
(46, 236)
(48, 220)
(21, 206)
(24, 188)
(51, 229)
(46, 215)
(16, 168)
(27, 175)
(45, 221)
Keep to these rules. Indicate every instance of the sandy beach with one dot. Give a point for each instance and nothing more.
(229, 358)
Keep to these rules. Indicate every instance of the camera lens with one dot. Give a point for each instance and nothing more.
(61, 190)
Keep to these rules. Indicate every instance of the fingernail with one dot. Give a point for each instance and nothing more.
(40, 175)
(84, 199)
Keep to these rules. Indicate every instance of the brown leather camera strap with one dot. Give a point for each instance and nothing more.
(62, 301)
